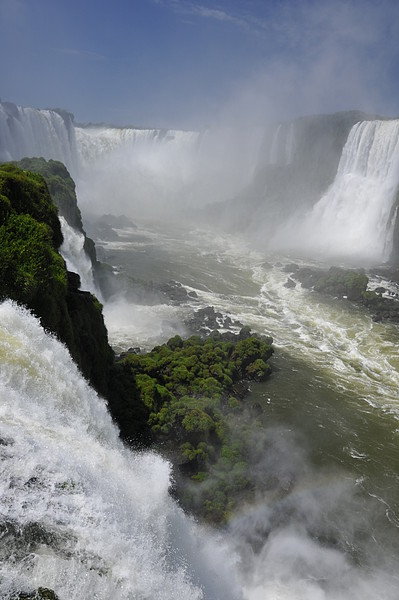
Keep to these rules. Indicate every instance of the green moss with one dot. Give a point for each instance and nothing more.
(33, 273)
(28, 194)
(29, 266)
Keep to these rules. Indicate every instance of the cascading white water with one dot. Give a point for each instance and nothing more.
(283, 144)
(93, 142)
(77, 261)
(79, 513)
(356, 217)
(31, 132)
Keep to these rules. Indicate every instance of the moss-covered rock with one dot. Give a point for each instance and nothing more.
(63, 194)
(33, 273)
(28, 194)
(60, 185)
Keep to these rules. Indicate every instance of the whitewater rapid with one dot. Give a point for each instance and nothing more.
(79, 513)
(84, 516)
(324, 520)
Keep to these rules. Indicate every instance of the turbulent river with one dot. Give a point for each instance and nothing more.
(331, 412)
(84, 516)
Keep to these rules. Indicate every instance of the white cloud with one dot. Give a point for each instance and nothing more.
(81, 53)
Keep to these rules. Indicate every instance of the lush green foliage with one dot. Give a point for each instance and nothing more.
(29, 265)
(33, 273)
(27, 193)
(342, 282)
(196, 412)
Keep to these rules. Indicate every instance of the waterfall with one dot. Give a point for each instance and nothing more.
(79, 513)
(153, 171)
(355, 218)
(77, 261)
(31, 132)
(283, 144)
(95, 141)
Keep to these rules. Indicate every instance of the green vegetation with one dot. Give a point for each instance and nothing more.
(184, 398)
(193, 395)
(27, 193)
(62, 191)
(33, 273)
(342, 282)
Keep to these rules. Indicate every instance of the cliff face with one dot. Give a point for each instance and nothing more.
(33, 273)
(62, 190)
(60, 185)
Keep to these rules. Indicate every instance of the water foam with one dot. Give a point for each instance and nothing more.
(79, 512)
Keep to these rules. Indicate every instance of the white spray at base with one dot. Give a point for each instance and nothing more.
(79, 513)
(356, 217)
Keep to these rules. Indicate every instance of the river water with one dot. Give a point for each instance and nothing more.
(85, 516)
(325, 521)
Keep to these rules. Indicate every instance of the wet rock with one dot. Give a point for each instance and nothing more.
(308, 277)
(290, 283)
(176, 292)
(40, 594)
(290, 268)
(206, 320)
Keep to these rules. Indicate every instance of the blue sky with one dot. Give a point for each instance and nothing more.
(189, 63)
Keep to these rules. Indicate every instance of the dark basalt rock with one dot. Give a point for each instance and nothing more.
(290, 268)
(206, 320)
(40, 594)
(290, 283)
(176, 292)
(73, 280)
(308, 277)
(380, 290)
